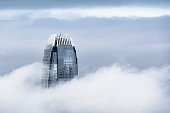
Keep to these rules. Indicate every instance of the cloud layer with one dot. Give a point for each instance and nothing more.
(76, 13)
(119, 89)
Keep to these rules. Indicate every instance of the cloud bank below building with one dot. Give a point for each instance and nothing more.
(119, 89)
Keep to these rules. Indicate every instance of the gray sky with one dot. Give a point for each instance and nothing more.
(24, 4)
(141, 42)
(104, 32)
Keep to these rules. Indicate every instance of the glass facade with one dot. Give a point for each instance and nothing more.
(60, 60)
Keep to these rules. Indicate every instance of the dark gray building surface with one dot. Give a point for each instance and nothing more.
(60, 60)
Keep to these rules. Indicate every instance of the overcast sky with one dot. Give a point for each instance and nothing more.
(126, 32)
(36, 4)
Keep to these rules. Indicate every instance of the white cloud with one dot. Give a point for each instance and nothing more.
(114, 89)
(76, 13)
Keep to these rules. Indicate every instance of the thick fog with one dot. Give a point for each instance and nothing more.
(112, 89)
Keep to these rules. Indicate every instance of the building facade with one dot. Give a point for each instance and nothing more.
(59, 61)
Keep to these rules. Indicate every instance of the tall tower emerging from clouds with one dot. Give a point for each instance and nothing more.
(59, 61)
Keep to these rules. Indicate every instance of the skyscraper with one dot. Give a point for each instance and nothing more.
(59, 61)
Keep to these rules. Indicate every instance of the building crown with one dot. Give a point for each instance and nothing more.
(60, 39)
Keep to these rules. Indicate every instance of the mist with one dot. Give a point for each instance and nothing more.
(112, 89)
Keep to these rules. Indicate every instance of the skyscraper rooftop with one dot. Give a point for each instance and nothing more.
(60, 39)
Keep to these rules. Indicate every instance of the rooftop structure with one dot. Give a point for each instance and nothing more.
(59, 61)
